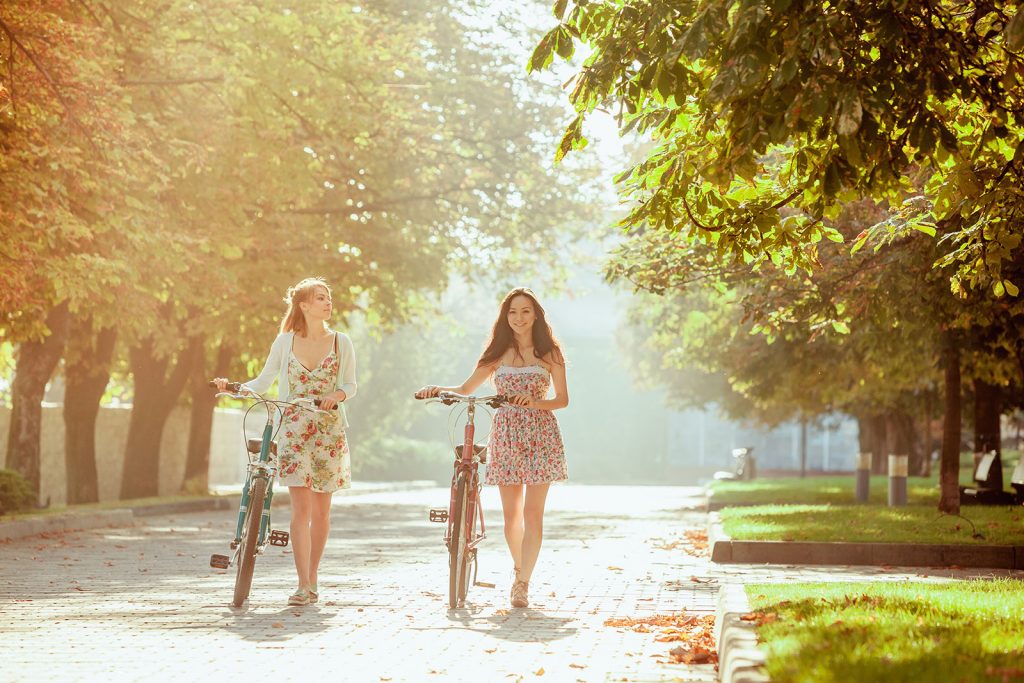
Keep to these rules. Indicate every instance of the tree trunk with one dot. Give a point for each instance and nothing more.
(156, 393)
(926, 430)
(949, 465)
(871, 431)
(200, 426)
(36, 362)
(87, 372)
(879, 457)
(901, 439)
(803, 447)
(988, 408)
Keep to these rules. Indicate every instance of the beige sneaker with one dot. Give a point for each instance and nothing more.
(519, 594)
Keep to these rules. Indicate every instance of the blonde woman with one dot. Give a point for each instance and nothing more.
(309, 359)
(526, 454)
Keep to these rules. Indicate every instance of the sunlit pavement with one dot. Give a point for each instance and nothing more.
(142, 604)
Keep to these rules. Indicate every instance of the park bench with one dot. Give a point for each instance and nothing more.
(744, 470)
(988, 483)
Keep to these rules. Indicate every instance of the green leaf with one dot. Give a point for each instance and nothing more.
(850, 115)
(832, 182)
(1011, 288)
(1015, 31)
(840, 327)
(542, 54)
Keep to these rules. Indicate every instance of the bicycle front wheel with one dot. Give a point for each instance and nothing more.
(250, 538)
(458, 546)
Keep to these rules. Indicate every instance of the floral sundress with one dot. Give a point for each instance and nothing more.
(525, 445)
(314, 451)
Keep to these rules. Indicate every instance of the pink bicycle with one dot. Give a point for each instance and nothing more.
(461, 535)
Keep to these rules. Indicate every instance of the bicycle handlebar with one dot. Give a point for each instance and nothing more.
(450, 398)
(235, 388)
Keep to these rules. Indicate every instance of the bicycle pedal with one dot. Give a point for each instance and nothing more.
(438, 515)
(483, 584)
(220, 561)
(278, 537)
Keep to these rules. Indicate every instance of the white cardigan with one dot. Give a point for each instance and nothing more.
(276, 367)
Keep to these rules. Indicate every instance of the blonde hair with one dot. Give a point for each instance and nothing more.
(294, 320)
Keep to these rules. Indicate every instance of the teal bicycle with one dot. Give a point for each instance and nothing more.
(251, 537)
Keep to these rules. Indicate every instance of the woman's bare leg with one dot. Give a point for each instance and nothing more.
(319, 529)
(302, 505)
(512, 507)
(533, 528)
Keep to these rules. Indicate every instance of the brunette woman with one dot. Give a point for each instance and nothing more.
(525, 445)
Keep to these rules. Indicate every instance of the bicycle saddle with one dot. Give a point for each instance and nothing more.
(479, 450)
(254, 446)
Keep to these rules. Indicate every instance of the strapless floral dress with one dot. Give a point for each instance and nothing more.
(525, 445)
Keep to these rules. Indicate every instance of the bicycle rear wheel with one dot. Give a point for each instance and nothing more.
(250, 537)
(458, 546)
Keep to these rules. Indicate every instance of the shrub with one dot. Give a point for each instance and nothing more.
(15, 492)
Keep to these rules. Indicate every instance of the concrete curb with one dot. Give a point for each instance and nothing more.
(739, 658)
(72, 521)
(725, 550)
(122, 517)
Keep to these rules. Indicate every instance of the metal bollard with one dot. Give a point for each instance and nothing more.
(898, 479)
(863, 477)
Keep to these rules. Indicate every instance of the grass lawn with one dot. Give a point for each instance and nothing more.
(873, 523)
(839, 489)
(893, 632)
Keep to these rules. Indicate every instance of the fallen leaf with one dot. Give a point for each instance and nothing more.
(539, 672)
(492, 651)
(577, 666)
(615, 569)
(277, 624)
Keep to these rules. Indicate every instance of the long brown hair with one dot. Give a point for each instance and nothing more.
(294, 320)
(502, 337)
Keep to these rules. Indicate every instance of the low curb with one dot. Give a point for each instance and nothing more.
(123, 517)
(739, 658)
(725, 550)
(58, 524)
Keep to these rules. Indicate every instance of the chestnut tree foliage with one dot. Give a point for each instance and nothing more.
(830, 206)
(169, 169)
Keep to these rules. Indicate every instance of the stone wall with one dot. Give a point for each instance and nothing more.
(227, 454)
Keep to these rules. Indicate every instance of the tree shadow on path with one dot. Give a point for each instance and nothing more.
(516, 625)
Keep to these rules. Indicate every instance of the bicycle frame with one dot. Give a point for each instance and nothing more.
(262, 468)
(469, 465)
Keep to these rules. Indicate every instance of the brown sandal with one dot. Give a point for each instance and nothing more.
(519, 594)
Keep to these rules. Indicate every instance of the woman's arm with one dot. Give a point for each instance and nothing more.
(271, 369)
(478, 377)
(347, 379)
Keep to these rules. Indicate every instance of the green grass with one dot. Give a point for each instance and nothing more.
(871, 523)
(107, 505)
(837, 490)
(893, 632)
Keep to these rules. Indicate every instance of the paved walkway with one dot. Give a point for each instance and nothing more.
(142, 604)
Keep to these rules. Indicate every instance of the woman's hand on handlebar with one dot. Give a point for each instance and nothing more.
(221, 383)
(330, 401)
(428, 391)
